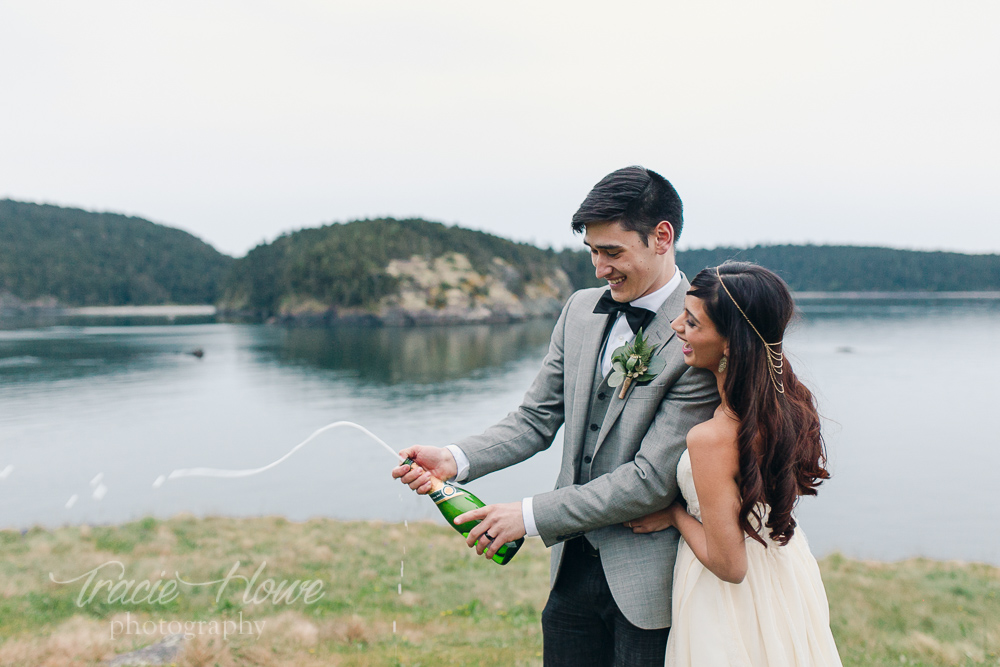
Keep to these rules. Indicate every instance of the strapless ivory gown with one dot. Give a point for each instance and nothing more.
(777, 617)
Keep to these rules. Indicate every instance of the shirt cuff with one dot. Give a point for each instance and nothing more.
(461, 460)
(528, 514)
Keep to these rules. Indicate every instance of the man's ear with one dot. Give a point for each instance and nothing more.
(663, 237)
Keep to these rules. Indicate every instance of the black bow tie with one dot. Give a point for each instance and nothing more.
(636, 317)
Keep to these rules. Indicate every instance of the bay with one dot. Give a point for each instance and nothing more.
(906, 389)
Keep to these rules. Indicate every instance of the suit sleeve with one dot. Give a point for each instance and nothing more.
(638, 487)
(532, 427)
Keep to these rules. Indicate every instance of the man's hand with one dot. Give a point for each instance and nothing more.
(430, 462)
(503, 523)
(656, 521)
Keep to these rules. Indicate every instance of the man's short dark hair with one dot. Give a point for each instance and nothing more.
(635, 197)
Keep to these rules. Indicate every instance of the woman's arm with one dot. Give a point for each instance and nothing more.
(717, 541)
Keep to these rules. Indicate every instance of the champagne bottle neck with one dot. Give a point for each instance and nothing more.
(436, 484)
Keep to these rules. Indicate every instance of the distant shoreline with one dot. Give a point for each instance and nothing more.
(904, 296)
(208, 310)
(143, 311)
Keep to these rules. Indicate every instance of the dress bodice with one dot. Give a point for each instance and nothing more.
(685, 482)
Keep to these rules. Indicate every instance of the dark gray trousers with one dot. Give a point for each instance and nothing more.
(582, 625)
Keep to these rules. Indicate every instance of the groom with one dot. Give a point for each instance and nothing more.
(610, 597)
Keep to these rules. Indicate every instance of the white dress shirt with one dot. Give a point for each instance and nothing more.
(620, 334)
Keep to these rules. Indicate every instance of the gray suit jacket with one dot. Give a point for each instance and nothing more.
(633, 471)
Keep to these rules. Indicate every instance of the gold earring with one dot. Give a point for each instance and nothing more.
(723, 363)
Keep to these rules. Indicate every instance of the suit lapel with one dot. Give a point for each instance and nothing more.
(659, 335)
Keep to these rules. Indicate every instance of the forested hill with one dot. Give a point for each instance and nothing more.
(808, 268)
(397, 270)
(83, 258)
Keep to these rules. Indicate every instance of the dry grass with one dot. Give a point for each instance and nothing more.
(455, 609)
(916, 612)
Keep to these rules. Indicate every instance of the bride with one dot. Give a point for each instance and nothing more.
(747, 590)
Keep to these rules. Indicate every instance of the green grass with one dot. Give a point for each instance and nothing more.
(454, 609)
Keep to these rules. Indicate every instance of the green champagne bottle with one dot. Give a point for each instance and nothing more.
(452, 501)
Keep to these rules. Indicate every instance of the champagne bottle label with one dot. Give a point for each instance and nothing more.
(446, 492)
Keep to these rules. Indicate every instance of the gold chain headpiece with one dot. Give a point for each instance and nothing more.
(775, 360)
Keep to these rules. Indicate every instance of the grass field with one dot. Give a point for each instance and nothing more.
(393, 595)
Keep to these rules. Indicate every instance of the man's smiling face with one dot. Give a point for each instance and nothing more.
(631, 267)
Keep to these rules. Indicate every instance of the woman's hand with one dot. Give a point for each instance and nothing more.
(656, 521)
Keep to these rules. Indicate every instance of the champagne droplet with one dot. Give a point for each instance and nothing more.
(97, 479)
(100, 492)
(399, 589)
(394, 627)
(158, 482)
(72, 501)
(5, 473)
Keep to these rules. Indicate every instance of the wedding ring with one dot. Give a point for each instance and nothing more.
(489, 537)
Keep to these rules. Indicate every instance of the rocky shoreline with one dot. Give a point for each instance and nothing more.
(443, 291)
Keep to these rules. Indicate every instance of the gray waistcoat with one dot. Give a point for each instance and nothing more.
(599, 401)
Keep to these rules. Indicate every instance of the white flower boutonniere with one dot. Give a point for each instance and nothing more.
(635, 362)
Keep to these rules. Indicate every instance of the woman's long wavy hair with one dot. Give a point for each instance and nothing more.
(781, 450)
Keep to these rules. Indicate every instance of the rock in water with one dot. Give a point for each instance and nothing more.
(162, 652)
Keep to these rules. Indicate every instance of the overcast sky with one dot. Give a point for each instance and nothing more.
(865, 123)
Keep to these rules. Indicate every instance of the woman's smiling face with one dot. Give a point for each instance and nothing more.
(703, 347)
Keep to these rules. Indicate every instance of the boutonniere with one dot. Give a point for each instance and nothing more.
(634, 362)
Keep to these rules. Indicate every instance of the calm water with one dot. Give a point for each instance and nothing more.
(908, 391)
